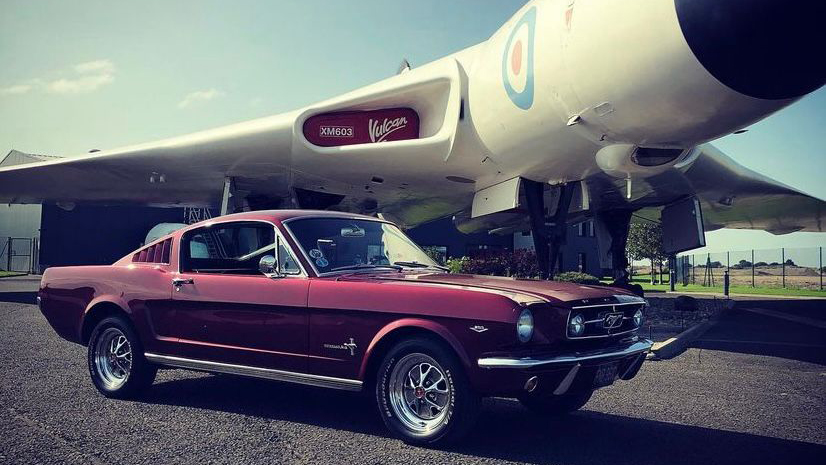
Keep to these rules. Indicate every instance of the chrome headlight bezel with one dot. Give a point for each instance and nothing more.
(638, 318)
(576, 325)
(524, 326)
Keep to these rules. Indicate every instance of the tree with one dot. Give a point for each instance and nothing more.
(789, 262)
(758, 264)
(645, 242)
(742, 265)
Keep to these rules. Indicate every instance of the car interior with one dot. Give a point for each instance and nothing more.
(233, 248)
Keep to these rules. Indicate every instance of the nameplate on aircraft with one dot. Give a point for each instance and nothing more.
(362, 127)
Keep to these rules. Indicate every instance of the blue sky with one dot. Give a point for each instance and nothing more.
(101, 74)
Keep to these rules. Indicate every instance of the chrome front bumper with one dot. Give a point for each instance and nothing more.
(638, 347)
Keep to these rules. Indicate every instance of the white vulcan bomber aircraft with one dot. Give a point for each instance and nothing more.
(573, 109)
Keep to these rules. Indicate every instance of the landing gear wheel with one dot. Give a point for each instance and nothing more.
(552, 405)
(423, 394)
(116, 362)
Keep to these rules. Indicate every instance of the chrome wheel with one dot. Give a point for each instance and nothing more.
(419, 392)
(113, 358)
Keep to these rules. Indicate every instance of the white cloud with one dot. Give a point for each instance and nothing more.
(199, 96)
(83, 78)
(97, 66)
(16, 89)
(93, 75)
(80, 85)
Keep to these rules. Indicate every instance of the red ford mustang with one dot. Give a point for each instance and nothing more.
(345, 302)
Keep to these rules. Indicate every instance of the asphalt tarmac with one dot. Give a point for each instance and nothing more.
(753, 390)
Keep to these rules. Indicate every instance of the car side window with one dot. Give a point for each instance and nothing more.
(198, 247)
(289, 265)
(228, 248)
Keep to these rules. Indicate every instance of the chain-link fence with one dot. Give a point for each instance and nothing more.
(793, 268)
(19, 254)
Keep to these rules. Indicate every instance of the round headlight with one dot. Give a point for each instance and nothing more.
(638, 318)
(577, 325)
(524, 326)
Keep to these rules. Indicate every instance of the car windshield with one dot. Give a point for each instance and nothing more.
(335, 244)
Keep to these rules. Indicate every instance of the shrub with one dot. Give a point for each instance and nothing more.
(576, 277)
(518, 263)
(456, 265)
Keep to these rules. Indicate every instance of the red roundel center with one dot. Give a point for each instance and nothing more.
(419, 392)
(516, 57)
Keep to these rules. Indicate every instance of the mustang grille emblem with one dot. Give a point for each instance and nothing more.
(612, 320)
(351, 346)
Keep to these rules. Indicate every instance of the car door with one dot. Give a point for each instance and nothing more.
(227, 311)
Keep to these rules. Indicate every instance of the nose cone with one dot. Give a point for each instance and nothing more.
(767, 49)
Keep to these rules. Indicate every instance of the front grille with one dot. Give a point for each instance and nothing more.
(606, 319)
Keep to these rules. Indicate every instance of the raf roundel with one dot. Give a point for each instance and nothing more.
(518, 61)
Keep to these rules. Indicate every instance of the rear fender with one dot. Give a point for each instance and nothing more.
(109, 300)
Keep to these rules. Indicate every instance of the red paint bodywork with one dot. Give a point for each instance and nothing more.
(284, 323)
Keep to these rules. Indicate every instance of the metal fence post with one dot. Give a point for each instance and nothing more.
(8, 254)
(728, 261)
(752, 267)
(725, 283)
(821, 268)
(783, 263)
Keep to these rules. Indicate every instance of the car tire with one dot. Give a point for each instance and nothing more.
(423, 394)
(551, 405)
(115, 360)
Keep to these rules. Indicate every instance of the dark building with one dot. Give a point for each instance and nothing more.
(96, 235)
(580, 252)
(443, 236)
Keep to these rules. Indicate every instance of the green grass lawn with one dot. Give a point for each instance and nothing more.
(6, 274)
(645, 282)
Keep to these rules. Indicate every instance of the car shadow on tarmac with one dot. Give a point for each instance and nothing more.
(504, 430)
(751, 333)
(19, 297)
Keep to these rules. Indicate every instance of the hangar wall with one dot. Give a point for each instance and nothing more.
(95, 235)
(89, 235)
(21, 222)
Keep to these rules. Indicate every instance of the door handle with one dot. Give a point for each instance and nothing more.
(178, 282)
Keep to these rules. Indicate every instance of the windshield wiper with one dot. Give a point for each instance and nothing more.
(366, 265)
(421, 265)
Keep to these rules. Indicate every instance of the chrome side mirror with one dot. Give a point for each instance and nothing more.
(267, 265)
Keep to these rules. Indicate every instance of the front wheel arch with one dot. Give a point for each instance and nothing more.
(398, 331)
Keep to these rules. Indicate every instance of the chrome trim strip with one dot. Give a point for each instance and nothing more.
(631, 366)
(603, 336)
(256, 372)
(641, 302)
(567, 381)
(529, 362)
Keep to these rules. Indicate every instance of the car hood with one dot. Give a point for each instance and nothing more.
(518, 289)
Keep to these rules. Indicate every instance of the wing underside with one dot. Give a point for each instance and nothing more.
(732, 196)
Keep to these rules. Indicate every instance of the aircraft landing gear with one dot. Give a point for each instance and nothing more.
(617, 223)
(547, 237)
